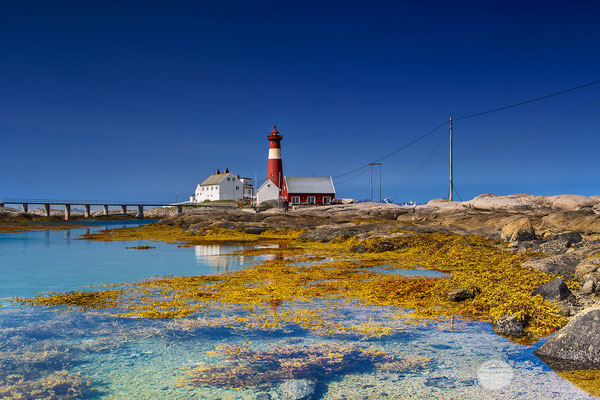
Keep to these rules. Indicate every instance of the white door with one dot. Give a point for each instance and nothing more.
(326, 199)
(310, 199)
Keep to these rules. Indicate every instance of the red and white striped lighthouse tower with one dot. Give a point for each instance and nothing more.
(275, 168)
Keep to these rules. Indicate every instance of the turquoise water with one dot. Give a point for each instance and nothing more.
(140, 359)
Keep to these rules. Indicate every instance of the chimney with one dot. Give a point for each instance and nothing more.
(218, 172)
(226, 170)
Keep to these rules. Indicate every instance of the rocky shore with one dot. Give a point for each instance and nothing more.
(563, 229)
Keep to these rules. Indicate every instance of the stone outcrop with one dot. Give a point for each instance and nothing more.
(578, 341)
(555, 290)
(519, 229)
(563, 265)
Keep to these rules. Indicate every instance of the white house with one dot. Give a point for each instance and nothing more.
(248, 187)
(223, 186)
(267, 191)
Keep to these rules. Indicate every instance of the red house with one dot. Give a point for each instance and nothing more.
(308, 189)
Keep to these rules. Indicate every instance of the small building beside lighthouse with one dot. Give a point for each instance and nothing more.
(308, 190)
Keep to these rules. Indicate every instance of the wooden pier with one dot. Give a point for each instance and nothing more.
(87, 205)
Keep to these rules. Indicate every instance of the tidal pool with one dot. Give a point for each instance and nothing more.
(91, 355)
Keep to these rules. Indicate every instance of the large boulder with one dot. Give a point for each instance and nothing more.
(563, 265)
(519, 229)
(578, 341)
(555, 290)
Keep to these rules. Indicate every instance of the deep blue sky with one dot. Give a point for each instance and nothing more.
(140, 100)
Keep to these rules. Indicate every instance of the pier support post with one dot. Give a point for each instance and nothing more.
(47, 209)
(179, 209)
(140, 213)
(105, 209)
(1, 204)
(67, 211)
(25, 207)
(124, 209)
(87, 209)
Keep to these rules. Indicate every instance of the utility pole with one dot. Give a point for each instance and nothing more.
(380, 183)
(371, 179)
(451, 162)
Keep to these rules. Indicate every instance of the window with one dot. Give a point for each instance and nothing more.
(295, 199)
(228, 179)
(237, 188)
(326, 199)
(310, 199)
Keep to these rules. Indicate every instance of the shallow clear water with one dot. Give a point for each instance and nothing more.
(140, 359)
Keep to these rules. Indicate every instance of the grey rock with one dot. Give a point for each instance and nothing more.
(563, 265)
(328, 233)
(297, 389)
(589, 287)
(519, 229)
(568, 237)
(584, 268)
(255, 230)
(509, 325)
(578, 341)
(554, 247)
(593, 276)
(263, 396)
(442, 382)
(555, 290)
(565, 311)
(461, 294)
(360, 248)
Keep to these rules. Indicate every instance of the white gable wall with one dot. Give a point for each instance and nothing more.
(267, 191)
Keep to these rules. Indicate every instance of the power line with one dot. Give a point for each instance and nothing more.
(395, 151)
(528, 101)
(365, 169)
(543, 130)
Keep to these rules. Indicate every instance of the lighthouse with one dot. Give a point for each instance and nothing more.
(275, 167)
